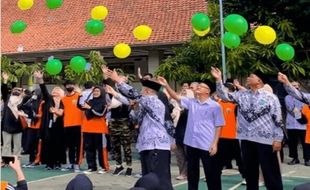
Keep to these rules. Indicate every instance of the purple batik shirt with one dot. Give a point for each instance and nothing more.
(203, 119)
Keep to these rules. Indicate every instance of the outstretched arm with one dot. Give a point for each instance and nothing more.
(170, 91)
(39, 78)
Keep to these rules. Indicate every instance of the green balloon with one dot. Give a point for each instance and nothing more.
(78, 64)
(53, 4)
(285, 52)
(200, 21)
(18, 26)
(94, 27)
(53, 66)
(236, 24)
(231, 40)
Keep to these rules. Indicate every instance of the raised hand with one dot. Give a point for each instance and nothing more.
(38, 74)
(283, 78)
(114, 76)
(5, 77)
(162, 81)
(216, 73)
(110, 90)
(139, 73)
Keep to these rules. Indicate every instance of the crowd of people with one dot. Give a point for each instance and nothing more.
(214, 123)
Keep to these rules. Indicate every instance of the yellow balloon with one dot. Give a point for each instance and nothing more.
(122, 50)
(99, 12)
(25, 4)
(201, 33)
(265, 35)
(142, 32)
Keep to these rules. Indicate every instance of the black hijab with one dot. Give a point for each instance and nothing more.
(98, 104)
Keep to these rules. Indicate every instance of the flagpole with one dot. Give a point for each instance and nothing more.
(222, 43)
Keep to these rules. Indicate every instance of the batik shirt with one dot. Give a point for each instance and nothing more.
(259, 115)
(301, 96)
(150, 117)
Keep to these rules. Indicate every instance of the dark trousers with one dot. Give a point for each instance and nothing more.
(93, 145)
(158, 162)
(229, 149)
(294, 137)
(211, 166)
(255, 154)
(31, 143)
(73, 143)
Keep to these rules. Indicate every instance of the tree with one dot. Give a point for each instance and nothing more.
(194, 59)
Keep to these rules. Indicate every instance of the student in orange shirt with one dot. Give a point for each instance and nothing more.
(72, 125)
(229, 146)
(306, 112)
(94, 127)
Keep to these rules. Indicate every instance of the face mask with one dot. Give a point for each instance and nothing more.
(15, 93)
(70, 89)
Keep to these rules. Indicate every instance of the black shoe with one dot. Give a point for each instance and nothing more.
(128, 172)
(118, 171)
(294, 161)
(307, 163)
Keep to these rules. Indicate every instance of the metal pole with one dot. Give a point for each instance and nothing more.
(222, 43)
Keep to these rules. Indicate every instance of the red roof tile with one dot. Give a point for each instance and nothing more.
(63, 28)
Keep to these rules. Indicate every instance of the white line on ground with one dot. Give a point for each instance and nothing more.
(181, 183)
(235, 186)
(288, 173)
(44, 179)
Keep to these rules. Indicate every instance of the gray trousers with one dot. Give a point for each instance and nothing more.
(7, 143)
(180, 154)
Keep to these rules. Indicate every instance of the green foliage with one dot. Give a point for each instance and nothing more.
(194, 59)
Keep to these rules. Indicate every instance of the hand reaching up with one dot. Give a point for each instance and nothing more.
(283, 78)
(110, 90)
(5, 77)
(162, 81)
(216, 73)
(38, 76)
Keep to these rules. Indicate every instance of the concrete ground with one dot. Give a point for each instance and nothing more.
(109, 182)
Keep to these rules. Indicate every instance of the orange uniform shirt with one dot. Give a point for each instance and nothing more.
(306, 111)
(72, 114)
(229, 130)
(37, 125)
(94, 125)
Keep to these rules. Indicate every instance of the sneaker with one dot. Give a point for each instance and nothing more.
(243, 182)
(76, 168)
(118, 171)
(27, 165)
(49, 168)
(128, 172)
(138, 175)
(181, 177)
(89, 171)
(261, 183)
(294, 162)
(101, 171)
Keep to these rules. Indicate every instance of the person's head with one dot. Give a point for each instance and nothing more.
(230, 86)
(17, 91)
(36, 94)
(187, 93)
(203, 89)
(150, 87)
(147, 76)
(80, 182)
(97, 92)
(57, 92)
(69, 86)
(149, 181)
(88, 85)
(193, 86)
(184, 85)
(296, 85)
(256, 79)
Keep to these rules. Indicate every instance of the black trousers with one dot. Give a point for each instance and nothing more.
(158, 162)
(255, 154)
(73, 143)
(31, 143)
(294, 136)
(229, 149)
(211, 166)
(93, 145)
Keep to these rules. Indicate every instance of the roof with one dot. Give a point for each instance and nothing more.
(63, 28)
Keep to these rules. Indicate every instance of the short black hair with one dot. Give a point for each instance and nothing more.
(68, 82)
(148, 74)
(88, 84)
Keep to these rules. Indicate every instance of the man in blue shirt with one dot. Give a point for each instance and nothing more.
(205, 118)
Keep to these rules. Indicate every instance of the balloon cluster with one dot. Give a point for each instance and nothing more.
(95, 25)
(201, 24)
(237, 26)
(77, 63)
(19, 26)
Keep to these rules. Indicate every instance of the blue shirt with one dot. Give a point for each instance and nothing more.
(203, 119)
(292, 104)
(259, 114)
(301, 96)
(152, 134)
